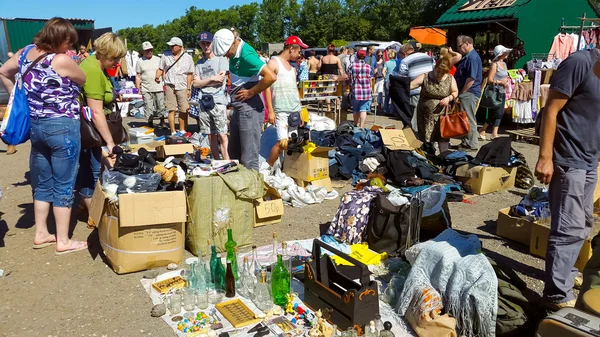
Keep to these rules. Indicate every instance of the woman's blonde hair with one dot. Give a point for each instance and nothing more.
(110, 46)
(391, 54)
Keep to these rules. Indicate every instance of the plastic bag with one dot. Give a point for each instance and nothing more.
(138, 183)
(433, 199)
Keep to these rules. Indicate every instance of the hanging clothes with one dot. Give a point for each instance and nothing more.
(562, 47)
(578, 40)
(537, 81)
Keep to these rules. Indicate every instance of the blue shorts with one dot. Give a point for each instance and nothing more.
(361, 105)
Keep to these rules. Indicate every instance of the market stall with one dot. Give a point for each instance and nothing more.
(509, 23)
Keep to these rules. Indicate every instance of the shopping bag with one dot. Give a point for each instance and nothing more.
(454, 124)
(16, 124)
(492, 97)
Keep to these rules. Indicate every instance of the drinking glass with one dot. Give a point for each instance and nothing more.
(175, 304)
(202, 299)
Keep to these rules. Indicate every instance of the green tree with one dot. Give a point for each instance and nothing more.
(271, 21)
(247, 25)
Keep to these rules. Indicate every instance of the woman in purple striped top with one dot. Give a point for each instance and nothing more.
(52, 85)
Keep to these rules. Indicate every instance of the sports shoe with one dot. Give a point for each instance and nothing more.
(578, 282)
(557, 306)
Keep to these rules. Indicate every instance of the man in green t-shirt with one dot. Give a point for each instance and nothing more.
(249, 77)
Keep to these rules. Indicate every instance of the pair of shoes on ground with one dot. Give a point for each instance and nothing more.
(577, 283)
(161, 124)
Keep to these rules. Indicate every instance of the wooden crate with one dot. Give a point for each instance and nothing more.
(524, 135)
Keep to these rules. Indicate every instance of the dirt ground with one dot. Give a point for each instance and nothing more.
(80, 295)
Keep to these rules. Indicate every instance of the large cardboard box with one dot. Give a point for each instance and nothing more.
(308, 167)
(404, 139)
(148, 146)
(176, 150)
(325, 182)
(145, 230)
(513, 228)
(485, 179)
(539, 244)
(269, 209)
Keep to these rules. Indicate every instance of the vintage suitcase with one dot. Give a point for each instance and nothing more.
(569, 322)
(327, 287)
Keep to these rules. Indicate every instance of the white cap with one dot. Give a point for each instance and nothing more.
(146, 45)
(175, 41)
(222, 41)
(500, 50)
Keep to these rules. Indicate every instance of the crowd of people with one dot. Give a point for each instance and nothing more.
(232, 86)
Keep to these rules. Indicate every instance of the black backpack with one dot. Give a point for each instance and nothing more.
(398, 167)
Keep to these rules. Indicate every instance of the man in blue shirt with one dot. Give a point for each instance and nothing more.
(468, 78)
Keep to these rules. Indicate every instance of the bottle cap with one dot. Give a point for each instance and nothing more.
(284, 245)
(274, 235)
(245, 259)
(253, 246)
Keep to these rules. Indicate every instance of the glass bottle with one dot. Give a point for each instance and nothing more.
(193, 276)
(262, 294)
(219, 274)
(280, 282)
(201, 275)
(230, 247)
(334, 331)
(378, 323)
(370, 330)
(287, 261)
(247, 280)
(351, 332)
(273, 258)
(387, 330)
(255, 265)
(229, 281)
(213, 262)
(187, 158)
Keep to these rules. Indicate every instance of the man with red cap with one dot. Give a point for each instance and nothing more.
(284, 99)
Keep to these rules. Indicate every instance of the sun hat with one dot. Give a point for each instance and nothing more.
(146, 45)
(175, 41)
(500, 50)
(222, 41)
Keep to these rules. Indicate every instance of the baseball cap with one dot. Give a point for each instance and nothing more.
(222, 41)
(362, 52)
(175, 41)
(295, 40)
(146, 45)
(205, 37)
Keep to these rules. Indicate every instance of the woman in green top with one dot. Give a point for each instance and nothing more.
(98, 95)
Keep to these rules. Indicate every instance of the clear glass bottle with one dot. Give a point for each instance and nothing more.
(334, 331)
(387, 330)
(262, 293)
(229, 281)
(378, 323)
(255, 266)
(273, 257)
(230, 247)
(280, 282)
(187, 158)
(370, 330)
(351, 332)
(247, 281)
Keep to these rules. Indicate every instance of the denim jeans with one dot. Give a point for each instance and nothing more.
(386, 100)
(245, 130)
(90, 165)
(54, 158)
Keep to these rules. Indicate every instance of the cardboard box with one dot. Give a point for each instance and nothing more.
(308, 167)
(148, 146)
(539, 244)
(321, 182)
(513, 228)
(145, 230)
(404, 139)
(485, 179)
(176, 150)
(269, 209)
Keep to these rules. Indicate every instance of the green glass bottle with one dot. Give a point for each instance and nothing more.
(213, 262)
(280, 282)
(219, 274)
(230, 247)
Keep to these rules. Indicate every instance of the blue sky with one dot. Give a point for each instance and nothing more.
(110, 13)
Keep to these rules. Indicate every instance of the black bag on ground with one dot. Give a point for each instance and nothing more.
(393, 229)
(495, 153)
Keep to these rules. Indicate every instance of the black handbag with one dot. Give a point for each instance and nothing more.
(393, 229)
(492, 97)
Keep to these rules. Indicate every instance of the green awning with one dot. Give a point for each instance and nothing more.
(454, 15)
(452, 24)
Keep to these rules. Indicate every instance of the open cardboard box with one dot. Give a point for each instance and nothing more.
(395, 139)
(539, 243)
(486, 179)
(325, 182)
(145, 230)
(308, 167)
(513, 228)
(269, 209)
(148, 146)
(176, 150)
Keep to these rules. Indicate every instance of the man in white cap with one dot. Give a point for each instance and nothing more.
(154, 97)
(249, 77)
(177, 70)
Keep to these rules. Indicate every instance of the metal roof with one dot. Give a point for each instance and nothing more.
(38, 19)
(453, 15)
